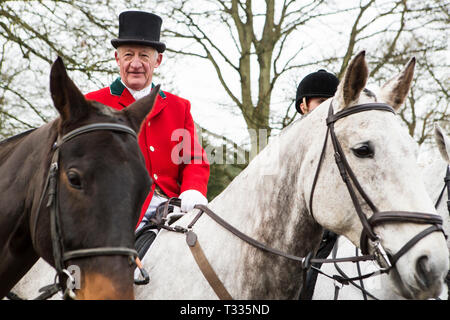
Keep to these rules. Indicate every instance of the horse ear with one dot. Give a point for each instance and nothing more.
(354, 81)
(67, 98)
(443, 142)
(395, 90)
(137, 111)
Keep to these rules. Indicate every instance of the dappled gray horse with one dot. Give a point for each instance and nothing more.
(272, 202)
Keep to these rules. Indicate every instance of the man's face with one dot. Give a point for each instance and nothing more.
(136, 64)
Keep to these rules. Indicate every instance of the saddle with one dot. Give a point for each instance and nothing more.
(145, 236)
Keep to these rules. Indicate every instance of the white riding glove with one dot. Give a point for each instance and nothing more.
(190, 198)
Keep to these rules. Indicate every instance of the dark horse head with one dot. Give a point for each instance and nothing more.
(100, 185)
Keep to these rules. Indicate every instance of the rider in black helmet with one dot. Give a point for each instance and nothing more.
(314, 89)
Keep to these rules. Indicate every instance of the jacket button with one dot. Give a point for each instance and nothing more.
(148, 123)
(155, 176)
(152, 149)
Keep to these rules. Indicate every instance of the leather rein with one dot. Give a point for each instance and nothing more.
(368, 236)
(60, 255)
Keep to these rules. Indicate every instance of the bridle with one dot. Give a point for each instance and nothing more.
(368, 235)
(343, 278)
(60, 255)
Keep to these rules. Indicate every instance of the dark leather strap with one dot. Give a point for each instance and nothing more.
(404, 216)
(413, 241)
(97, 127)
(346, 172)
(101, 251)
(206, 268)
(447, 182)
(401, 216)
(359, 108)
(446, 186)
(316, 176)
(350, 280)
(305, 262)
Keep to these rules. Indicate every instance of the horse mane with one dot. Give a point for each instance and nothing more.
(7, 145)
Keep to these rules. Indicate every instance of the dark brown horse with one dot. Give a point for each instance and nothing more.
(85, 213)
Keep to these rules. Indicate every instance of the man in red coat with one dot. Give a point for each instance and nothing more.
(168, 140)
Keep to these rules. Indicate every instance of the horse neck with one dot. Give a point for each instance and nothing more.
(266, 202)
(21, 170)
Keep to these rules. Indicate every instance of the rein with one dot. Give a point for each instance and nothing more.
(60, 255)
(202, 262)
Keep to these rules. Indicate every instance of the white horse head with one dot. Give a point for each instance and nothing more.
(434, 168)
(383, 157)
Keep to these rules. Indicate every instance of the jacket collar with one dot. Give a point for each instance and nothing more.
(117, 88)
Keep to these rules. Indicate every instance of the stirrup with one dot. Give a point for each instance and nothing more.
(144, 274)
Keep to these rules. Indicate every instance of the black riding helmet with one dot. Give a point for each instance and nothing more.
(316, 84)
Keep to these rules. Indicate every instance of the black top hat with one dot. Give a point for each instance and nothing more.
(139, 27)
(316, 84)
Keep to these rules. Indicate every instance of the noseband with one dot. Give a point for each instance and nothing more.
(59, 254)
(368, 235)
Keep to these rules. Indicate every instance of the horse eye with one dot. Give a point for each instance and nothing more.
(74, 179)
(364, 150)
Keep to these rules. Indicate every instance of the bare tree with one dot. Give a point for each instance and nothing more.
(33, 34)
(262, 53)
(259, 51)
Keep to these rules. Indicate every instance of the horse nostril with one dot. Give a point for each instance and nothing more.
(424, 272)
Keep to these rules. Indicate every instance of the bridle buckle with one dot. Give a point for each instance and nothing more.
(380, 255)
(68, 293)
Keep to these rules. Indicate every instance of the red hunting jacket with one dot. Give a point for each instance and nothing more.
(169, 113)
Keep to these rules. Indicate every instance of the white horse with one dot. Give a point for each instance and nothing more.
(434, 169)
(269, 201)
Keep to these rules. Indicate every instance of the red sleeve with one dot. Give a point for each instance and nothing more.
(195, 173)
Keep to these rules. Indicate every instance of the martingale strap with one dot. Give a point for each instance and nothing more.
(206, 268)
